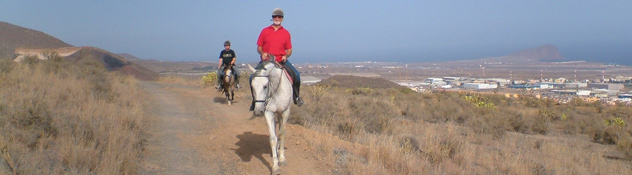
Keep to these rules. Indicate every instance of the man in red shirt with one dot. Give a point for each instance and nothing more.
(276, 40)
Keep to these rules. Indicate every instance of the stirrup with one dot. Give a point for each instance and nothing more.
(298, 101)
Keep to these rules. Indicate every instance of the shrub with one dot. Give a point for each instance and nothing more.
(209, 79)
(625, 145)
(55, 118)
(409, 145)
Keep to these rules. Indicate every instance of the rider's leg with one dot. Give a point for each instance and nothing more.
(296, 79)
(219, 77)
(236, 74)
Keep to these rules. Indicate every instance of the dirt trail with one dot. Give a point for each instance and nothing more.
(195, 132)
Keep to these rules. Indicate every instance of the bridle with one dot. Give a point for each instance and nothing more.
(258, 74)
(265, 100)
(226, 69)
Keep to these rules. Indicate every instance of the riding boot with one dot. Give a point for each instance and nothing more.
(297, 99)
(296, 83)
(236, 74)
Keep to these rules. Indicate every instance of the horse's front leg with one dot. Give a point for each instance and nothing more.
(232, 95)
(227, 96)
(282, 123)
(273, 141)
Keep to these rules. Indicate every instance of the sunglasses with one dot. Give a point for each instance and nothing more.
(277, 16)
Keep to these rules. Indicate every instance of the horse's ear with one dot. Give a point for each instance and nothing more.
(251, 69)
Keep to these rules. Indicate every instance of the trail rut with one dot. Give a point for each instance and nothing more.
(193, 131)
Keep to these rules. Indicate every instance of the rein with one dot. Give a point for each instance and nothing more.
(270, 85)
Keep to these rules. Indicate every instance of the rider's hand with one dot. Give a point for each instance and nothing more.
(264, 56)
(283, 59)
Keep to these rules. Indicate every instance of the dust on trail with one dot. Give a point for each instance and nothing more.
(194, 131)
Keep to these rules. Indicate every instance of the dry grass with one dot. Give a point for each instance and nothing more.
(174, 79)
(60, 118)
(452, 133)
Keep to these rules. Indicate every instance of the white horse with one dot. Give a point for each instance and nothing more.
(272, 91)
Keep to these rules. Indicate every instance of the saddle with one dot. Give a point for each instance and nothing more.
(288, 73)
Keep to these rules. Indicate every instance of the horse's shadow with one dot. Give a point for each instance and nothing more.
(253, 145)
(222, 100)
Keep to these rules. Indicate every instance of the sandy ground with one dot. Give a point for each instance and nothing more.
(194, 131)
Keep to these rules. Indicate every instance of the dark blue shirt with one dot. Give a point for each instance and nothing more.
(227, 56)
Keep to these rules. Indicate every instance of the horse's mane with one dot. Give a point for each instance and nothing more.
(226, 67)
(261, 66)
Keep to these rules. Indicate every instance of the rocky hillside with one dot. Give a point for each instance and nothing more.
(113, 62)
(128, 56)
(12, 37)
(17, 42)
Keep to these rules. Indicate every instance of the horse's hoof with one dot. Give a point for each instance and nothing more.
(278, 171)
(282, 163)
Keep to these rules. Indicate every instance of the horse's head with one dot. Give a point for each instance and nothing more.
(261, 84)
(228, 73)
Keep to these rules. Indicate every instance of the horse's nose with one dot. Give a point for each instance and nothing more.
(258, 112)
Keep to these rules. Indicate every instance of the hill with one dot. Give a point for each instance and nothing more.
(18, 42)
(114, 62)
(128, 56)
(13, 37)
(543, 53)
(349, 81)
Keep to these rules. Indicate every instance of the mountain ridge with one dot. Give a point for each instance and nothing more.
(18, 42)
(544, 53)
(13, 37)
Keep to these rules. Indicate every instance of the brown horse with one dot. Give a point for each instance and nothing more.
(228, 84)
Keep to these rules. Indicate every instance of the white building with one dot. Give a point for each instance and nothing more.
(479, 86)
(309, 80)
(434, 80)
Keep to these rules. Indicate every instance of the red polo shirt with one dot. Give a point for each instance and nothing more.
(275, 42)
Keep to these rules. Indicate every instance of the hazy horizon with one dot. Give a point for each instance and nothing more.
(338, 31)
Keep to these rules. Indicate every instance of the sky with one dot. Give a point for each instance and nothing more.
(337, 31)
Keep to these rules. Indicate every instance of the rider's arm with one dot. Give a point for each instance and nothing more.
(234, 59)
(220, 63)
(260, 50)
(287, 55)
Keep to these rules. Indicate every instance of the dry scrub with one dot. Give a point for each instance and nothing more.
(62, 118)
(401, 132)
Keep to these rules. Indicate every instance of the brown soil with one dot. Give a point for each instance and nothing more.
(194, 131)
